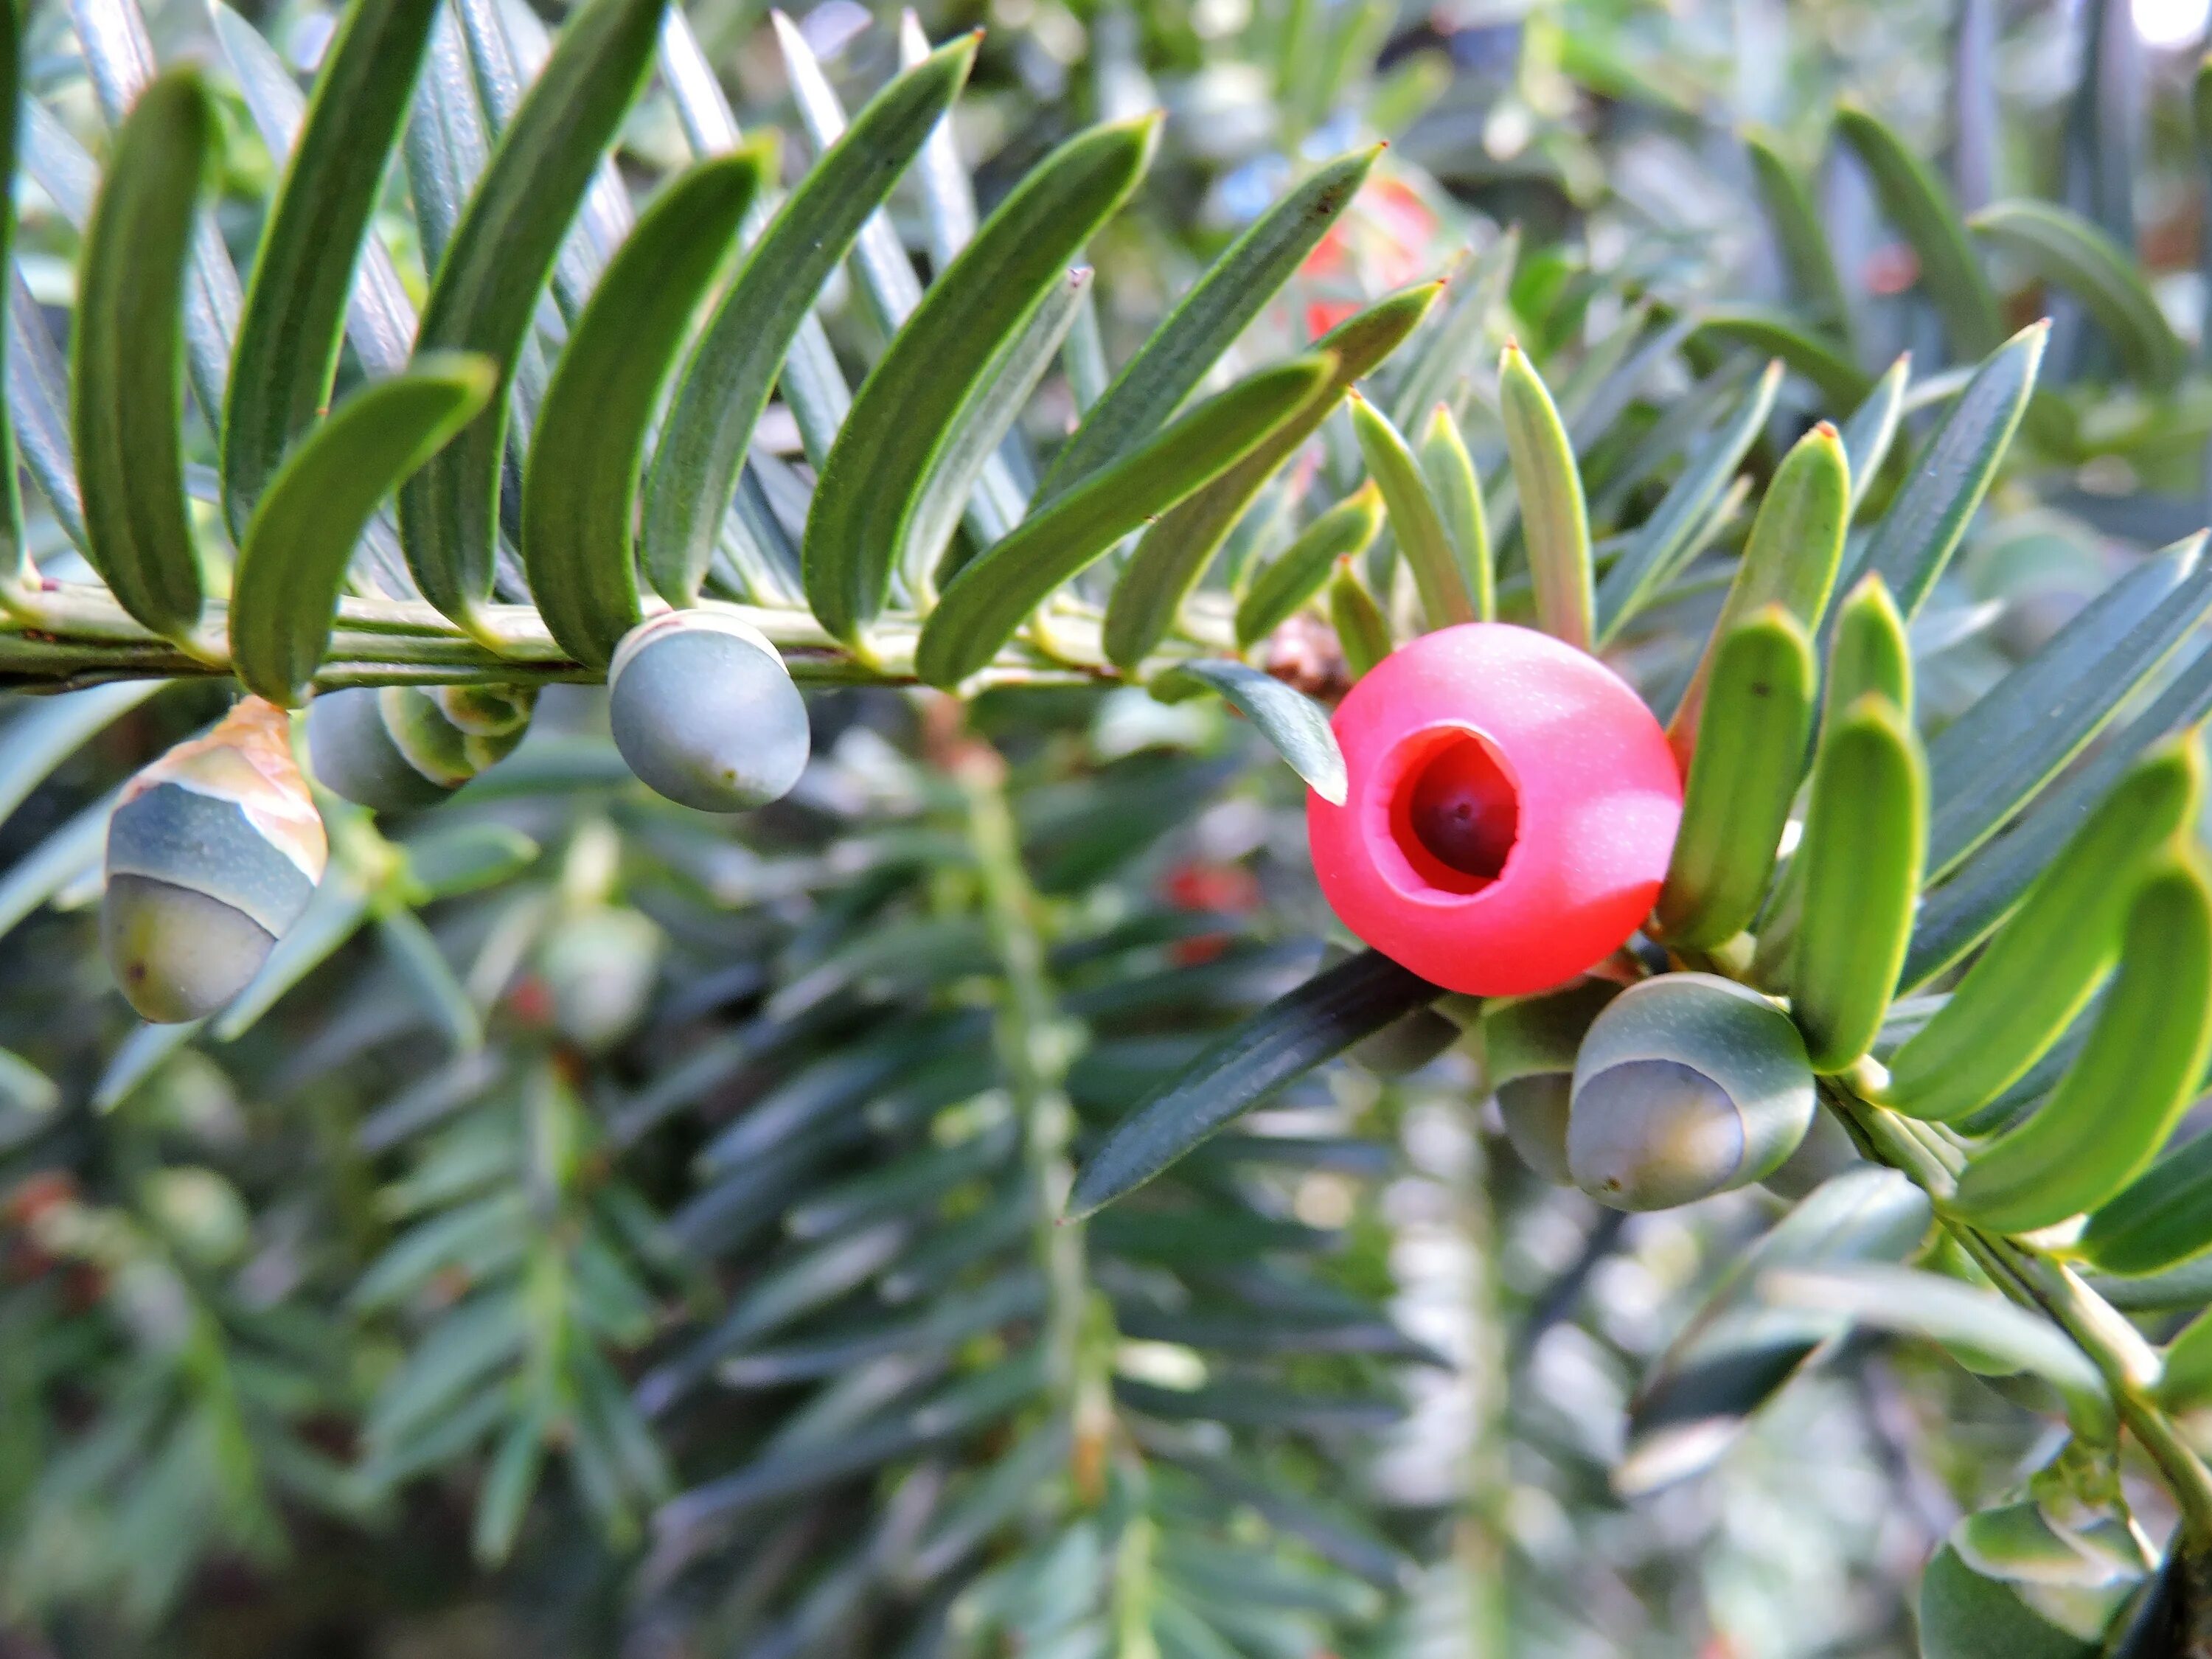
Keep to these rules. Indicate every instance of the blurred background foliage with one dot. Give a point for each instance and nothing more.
(629, 1232)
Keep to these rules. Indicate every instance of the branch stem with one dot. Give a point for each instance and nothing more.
(2035, 1280)
(61, 637)
(1034, 1048)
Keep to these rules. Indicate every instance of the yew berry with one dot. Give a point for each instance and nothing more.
(1686, 1086)
(391, 747)
(1511, 811)
(212, 851)
(705, 713)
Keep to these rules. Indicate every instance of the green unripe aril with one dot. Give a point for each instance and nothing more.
(400, 746)
(179, 955)
(1529, 1046)
(212, 851)
(705, 713)
(1686, 1085)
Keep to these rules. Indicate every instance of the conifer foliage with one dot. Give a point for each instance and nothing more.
(741, 1041)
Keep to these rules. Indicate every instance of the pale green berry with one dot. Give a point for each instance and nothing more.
(705, 713)
(1686, 1085)
(394, 747)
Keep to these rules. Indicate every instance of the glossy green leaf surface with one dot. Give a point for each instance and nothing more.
(2182, 1289)
(1796, 224)
(294, 323)
(812, 382)
(506, 50)
(2027, 727)
(1966, 1614)
(1796, 543)
(727, 382)
(1750, 753)
(1949, 477)
(1168, 367)
(379, 315)
(1917, 203)
(1447, 595)
(2064, 249)
(1963, 910)
(1869, 434)
(292, 567)
(488, 281)
(1738, 1351)
(948, 194)
(2039, 972)
(1292, 722)
(46, 731)
(1362, 630)
(1777, 334)
(870, 485)
(126, 356)
(447, 142)
(2158, 1221)
(14, 551)
(1448, 470)
(1447, 350)
(1554, 521)
(1952, 1316)
(2185, 1383)
(972, 446)
(1870, 651)
(116, 51)
(1300, 571)
(1867, 656)
(885, 276)
(1865, 830)
(1291, 1035)
(2037, 1544)
(1174, 553)
(2113, 1110)
(38, 392)
(579, 482)
(987, 600)
(1663, 541)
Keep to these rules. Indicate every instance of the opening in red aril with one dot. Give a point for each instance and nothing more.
(1456, 814)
